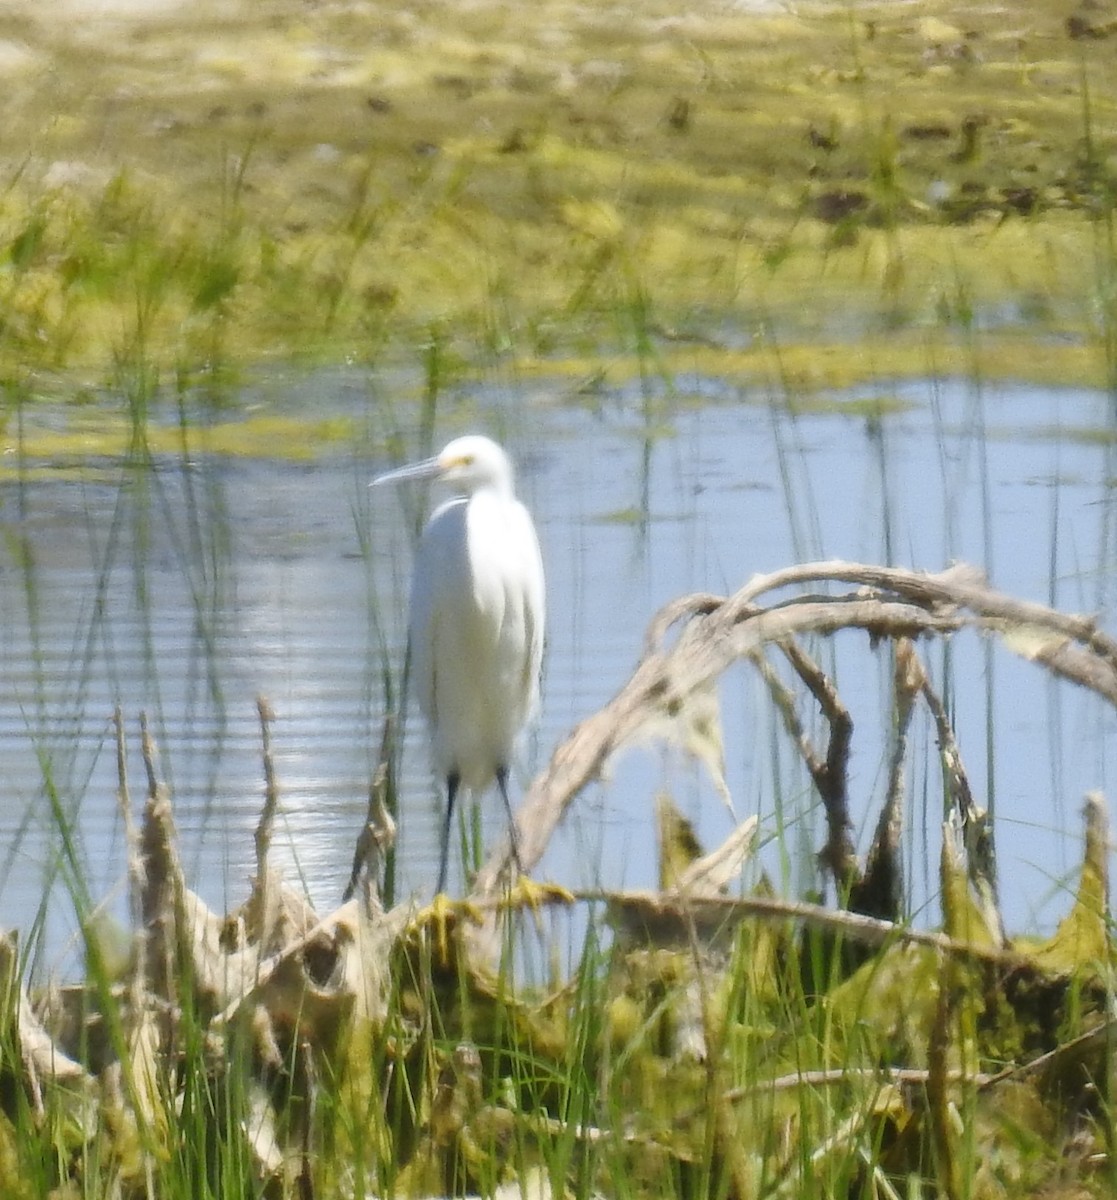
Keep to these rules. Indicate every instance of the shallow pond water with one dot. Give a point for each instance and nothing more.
(189, 587)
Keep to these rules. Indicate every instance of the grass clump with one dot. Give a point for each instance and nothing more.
(652, 1071)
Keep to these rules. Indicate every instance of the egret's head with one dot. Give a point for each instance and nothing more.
(473, 462)
(466, 465)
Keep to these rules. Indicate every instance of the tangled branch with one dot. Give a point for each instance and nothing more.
(887, 603)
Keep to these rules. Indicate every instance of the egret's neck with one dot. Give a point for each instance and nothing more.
(496, 489)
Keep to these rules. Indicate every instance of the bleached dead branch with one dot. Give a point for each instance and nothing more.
(887, 603)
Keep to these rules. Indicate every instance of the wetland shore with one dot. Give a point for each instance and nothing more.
(866, 186)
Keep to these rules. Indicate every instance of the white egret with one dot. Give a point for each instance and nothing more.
(476, 621)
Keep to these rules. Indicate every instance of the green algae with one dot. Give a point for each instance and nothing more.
(91, 439)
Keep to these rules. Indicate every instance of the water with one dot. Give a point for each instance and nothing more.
(187, 589)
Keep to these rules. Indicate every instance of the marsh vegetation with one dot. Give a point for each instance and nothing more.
(215, 220)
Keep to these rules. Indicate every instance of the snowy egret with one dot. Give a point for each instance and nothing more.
(476, 620)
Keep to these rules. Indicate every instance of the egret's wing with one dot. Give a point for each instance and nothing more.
(534, 599)
(437, 557)
(420, 631)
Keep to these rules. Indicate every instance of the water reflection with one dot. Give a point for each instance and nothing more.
(188, 588)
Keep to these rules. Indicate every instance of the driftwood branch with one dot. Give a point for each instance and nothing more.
(378, 834)
(266, 822)
(887, 603)
(44, 1066)
(973, 820)
(658, 918)
(831, 779)
(162, 877)
(879, 892)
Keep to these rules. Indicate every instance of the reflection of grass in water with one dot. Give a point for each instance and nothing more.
(52, 703)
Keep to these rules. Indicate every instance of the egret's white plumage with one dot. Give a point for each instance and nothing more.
(476, 620)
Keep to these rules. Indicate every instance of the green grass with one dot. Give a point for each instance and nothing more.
(763, 1069)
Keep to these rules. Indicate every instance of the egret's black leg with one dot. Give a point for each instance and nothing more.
(453, 782)
(513, 829)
